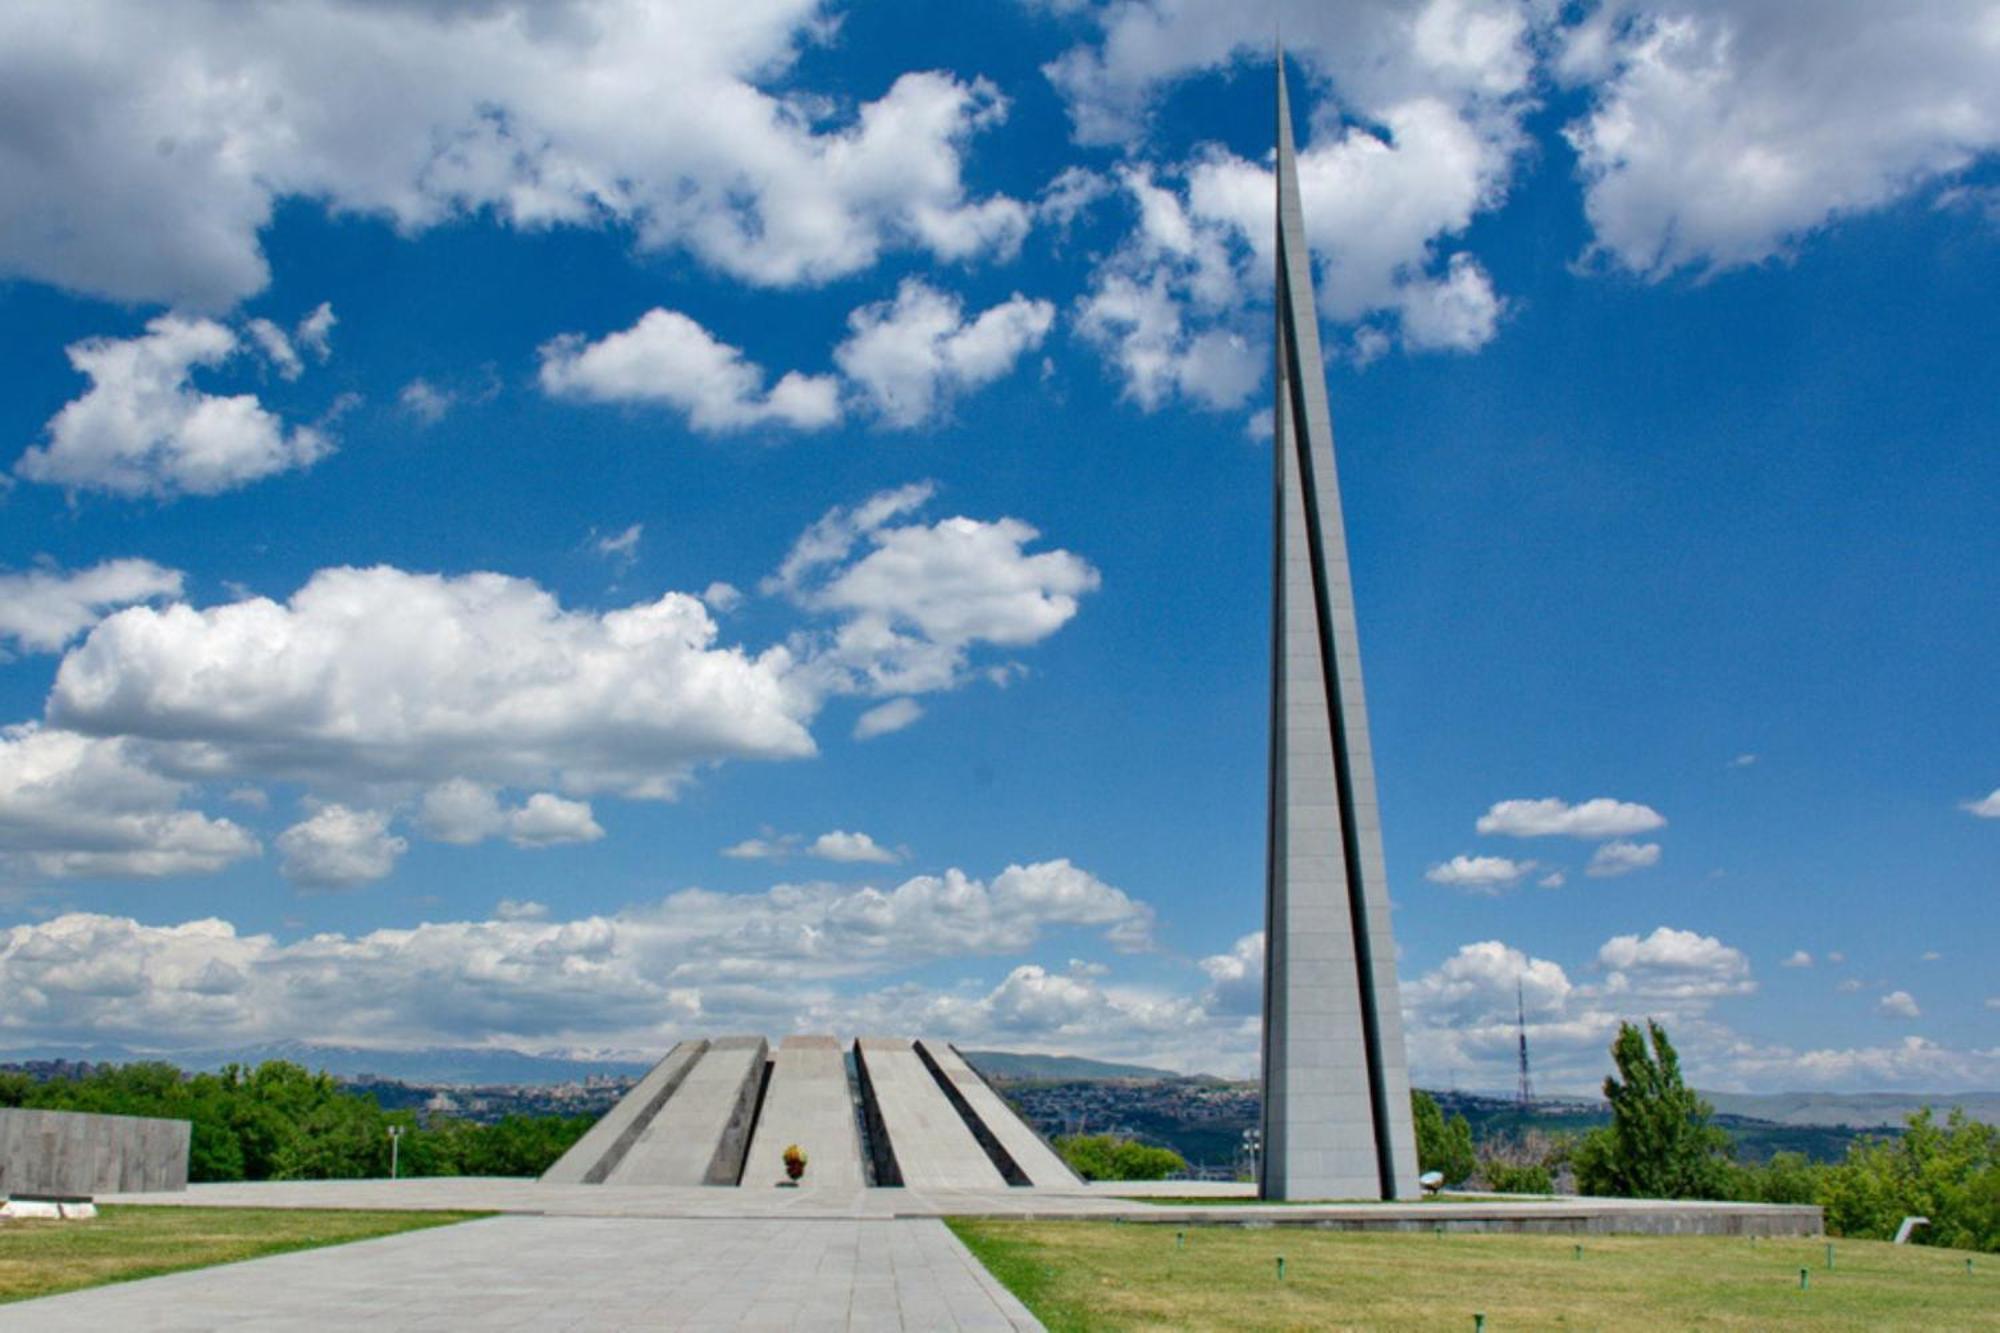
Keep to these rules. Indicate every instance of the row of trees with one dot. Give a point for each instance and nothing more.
(280, 1122)
(1661, 1144)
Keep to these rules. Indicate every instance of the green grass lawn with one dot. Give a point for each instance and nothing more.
(122, 1243)
(1100, 1275)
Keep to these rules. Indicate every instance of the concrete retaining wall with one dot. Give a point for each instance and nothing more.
(71, 1155)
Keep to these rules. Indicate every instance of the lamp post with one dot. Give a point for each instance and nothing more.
(395, 1143)
(1253, 1144)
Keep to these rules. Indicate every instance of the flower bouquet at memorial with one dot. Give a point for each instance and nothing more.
(795, 1162)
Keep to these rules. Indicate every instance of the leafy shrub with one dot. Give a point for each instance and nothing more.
(1789, 1177)
(1949, 1173)
(1105, 1157)
(1506, 1178)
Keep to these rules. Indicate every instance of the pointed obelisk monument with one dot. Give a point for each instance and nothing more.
(1337, 1119)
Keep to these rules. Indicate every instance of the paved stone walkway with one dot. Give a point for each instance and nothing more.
(577, 1272)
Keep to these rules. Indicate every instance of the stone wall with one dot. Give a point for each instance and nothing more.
(70, 1155)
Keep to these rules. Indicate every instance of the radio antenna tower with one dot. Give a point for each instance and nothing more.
(1526, 1095)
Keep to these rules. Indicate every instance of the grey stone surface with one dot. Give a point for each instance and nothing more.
(933, 1147)
(1130, 1200)
(581, 1273)
(592, 1157)
(1037, 1160)
(69, 1154)
(1336, 1086)
(807, 1103)
(701, 1133)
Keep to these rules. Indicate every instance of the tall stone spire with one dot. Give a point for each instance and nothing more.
(1337, 1118)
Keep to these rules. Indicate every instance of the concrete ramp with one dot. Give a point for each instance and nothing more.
(807, 1103)
(1029, 1151)
(592, 1157)
(701, 1133)
(932, 1145)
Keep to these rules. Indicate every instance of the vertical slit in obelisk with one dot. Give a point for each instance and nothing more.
(1269, 1136)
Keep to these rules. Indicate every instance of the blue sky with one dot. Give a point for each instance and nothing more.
(564, 526)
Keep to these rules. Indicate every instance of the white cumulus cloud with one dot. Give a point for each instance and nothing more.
(1600, 817)
(142, 428)
(380, 675)
(82, 807)
(922, 595)
(912, 355)
(1898, 1004)
(1236, 978)
(1722, 131)
(682, 124)
(42, 609)
(465, 812)
(338, 848)
(766, 961)
(1673, 965)
(669, 359)
(1481, 984)
(1480, 874)
(1622, 858)
(846, 847)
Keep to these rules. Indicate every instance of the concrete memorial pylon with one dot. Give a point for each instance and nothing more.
(1337, 1119)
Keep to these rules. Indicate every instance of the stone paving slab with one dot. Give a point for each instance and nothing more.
(576, 1272)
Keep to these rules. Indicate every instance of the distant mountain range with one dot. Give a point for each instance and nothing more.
(1860, 1110)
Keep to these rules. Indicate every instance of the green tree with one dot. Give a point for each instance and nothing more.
(1949, 1173)
(1659, 1144)
(280, 1121)
(1789, 1177)
(1443, 1146)
(1104, 1157)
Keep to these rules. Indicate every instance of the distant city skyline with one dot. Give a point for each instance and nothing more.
(627, 524)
